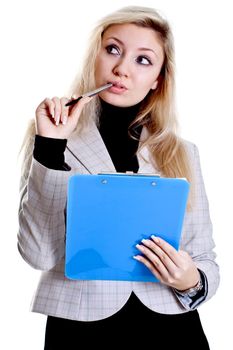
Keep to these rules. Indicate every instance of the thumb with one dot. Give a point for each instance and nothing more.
(77, 109)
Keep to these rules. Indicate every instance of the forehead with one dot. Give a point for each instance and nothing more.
(134, 36)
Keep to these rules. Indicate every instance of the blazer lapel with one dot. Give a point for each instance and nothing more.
(146, 164)
(89, 149)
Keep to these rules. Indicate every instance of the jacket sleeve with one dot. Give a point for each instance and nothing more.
(197, 238)
(41, 235)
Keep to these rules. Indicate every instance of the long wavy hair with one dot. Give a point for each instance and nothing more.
(157, 110)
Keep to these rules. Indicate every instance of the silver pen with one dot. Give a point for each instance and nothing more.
(89, 94)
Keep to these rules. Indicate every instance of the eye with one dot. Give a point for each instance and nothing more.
(113, 50)
(143, 60)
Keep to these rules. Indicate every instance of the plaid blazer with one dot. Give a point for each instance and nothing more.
(41, 237)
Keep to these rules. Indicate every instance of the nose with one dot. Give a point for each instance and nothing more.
(121, 68)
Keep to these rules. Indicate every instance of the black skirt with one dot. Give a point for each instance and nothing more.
(134, 324)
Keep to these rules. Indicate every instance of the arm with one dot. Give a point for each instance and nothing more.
(41, 237)
(198, 232)
(182, 269)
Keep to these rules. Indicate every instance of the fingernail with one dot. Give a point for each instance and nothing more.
(57, 118)
(155, 239)
(136, 257)
(64, 119)
(144, 240)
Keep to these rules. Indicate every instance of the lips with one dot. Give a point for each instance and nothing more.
(117, 88)
(118, 85)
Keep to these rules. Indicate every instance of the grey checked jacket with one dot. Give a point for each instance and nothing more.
(41, 237)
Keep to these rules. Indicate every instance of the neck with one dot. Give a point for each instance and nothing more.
(114, 128)
(126, 113)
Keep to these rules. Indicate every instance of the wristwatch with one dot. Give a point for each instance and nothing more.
(191, 292)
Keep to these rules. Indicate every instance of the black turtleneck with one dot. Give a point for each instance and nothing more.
(114, 130)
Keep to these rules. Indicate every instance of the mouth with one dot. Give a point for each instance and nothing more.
(117, 87)
(118, 84)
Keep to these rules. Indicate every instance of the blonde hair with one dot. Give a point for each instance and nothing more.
(157, 110)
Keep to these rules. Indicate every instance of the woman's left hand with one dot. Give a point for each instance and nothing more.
(173, 268)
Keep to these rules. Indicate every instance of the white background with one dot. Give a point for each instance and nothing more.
(41, 46)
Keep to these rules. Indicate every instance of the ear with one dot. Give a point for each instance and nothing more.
(154, 86)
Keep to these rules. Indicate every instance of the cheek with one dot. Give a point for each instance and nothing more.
(97, 66)
(143, 84)
(101, 67)
(145, 80)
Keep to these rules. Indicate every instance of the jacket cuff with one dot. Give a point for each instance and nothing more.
(50, 152)
(191, 302)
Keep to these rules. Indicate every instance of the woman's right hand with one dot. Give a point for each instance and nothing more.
(55, 120)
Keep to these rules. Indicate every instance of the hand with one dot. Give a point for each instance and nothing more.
(173, 268)
(54, 119)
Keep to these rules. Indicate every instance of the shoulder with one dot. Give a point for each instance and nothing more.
(190, 147)
(194, 160)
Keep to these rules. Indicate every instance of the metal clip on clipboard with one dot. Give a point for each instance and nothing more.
(127, 173)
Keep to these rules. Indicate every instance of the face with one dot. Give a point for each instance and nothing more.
(131, 58)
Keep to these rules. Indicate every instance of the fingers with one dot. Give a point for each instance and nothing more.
(159, 256)
(51, 106)
(154, 269)
(62, 112)
(157, 251)
(55, 119)
(45, 108)
(171, 267)
(151, 260)
(165, 250)
(57, 110)
(77, 108)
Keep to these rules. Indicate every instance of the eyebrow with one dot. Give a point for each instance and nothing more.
(140, 48)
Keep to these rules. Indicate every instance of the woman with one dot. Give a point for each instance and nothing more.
(128, 127)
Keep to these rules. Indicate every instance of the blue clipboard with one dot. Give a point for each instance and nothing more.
(108, 214)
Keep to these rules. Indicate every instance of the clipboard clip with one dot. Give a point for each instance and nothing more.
(128, 173)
